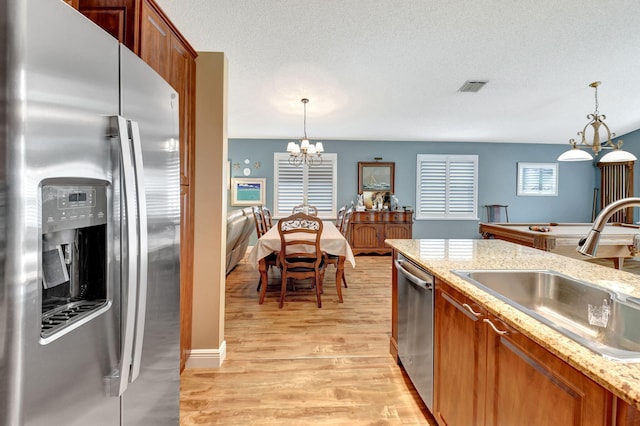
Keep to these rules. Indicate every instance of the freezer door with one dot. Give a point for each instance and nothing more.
(66, 70)
(151, 106)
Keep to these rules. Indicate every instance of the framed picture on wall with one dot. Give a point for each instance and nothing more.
(248, 191)
(375, 176)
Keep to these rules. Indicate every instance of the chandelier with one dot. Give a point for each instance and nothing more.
(305, 153)
(596, 121)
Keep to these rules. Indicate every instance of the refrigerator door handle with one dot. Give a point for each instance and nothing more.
(119, 380)
(142, 253)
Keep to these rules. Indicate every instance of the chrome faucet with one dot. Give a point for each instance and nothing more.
(589, 245)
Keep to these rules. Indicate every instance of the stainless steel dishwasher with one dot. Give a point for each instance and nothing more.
(415, 325)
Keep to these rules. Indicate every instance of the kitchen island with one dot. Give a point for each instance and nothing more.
(618, 383)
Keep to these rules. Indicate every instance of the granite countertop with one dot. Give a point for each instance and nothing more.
(441, 256)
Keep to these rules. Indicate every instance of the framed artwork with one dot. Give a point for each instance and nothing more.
(538, 179)
(375, 177)
(248, 191)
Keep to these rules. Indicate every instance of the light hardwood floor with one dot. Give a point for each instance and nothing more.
(301, 365)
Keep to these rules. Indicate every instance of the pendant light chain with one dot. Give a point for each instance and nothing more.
(304, 102)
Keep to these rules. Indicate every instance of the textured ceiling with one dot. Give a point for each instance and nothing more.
(391, 70)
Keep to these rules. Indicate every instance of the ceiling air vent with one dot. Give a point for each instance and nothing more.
(472, 85)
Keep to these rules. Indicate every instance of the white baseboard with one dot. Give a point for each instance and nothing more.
(207, 358)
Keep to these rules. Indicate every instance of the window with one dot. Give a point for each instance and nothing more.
(290, 183)
(446, 187)
(538, 179)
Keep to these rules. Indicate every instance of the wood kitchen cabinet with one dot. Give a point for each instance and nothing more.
(117, 17)
(72, 3)
(626, 415)
(489, 374)
(460, 360)
(369, 229)
(155, 40)
(143, 28)
(557, 394)
(186, 272)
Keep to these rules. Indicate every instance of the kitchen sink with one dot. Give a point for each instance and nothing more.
(602, 320)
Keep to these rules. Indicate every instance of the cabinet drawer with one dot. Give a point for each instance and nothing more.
(400, 217)
(364, 217)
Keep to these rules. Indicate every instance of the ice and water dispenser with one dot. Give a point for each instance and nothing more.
(74, 252)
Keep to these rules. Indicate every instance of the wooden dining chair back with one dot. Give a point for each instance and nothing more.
(331, 259)
(344, 229)
(340, 217)
(266, 216)
(258, 218)
(311, 210)
(261, 222)
(300, 255)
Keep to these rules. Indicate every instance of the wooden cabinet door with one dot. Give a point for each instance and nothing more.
(155, 41)
(182, 79)
(626, 415)
(460, 353)
(117, 17)
(397, 231)
(365, 235)
(525, 381)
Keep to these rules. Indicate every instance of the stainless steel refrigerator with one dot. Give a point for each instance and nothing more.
(89, 226)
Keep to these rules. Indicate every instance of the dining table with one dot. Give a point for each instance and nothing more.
(331, 242)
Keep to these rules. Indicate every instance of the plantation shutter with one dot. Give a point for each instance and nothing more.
(290, 183)
(321, 189)
(288, 186)
(536, 180)
(446, 187)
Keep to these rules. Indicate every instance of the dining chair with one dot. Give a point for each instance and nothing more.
(261, 229)
(267, 217)
(331, 259)
(312, 210)
(258, 218)
(300, 255)
(344, 229)
(340, 216)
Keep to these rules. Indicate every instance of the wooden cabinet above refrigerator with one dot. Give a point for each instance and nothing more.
(143, 27)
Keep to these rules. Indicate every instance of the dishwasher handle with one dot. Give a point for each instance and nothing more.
(425, 282)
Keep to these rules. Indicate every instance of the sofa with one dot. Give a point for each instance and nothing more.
(240, 226)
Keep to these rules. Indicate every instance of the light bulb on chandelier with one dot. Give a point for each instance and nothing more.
(305, 153)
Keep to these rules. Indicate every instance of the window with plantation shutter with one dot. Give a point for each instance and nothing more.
(290, 183)
(538, 179)
(446, 187)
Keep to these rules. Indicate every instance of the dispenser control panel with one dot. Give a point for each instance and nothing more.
(73, 206)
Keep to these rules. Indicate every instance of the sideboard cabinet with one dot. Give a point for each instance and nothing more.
(369, 229)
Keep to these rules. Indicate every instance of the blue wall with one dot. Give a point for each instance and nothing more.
(632, 144)
(496, 184)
